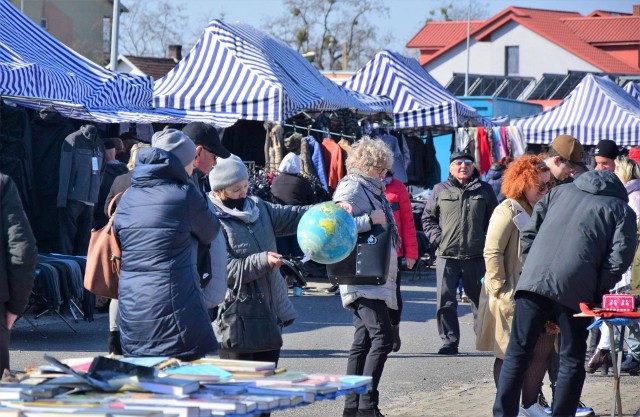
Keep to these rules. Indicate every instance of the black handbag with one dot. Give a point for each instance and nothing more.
(368, 262)
(245, 323)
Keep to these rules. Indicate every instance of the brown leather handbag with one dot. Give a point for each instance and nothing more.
(104, 258)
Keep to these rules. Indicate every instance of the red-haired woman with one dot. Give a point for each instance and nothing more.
(525, 181)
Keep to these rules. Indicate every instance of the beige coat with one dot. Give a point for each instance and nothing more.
(503, 261)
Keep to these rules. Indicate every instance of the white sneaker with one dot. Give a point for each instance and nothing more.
(536, 410)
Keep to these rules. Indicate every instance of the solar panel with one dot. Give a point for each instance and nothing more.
(547, 85)
(514, 87)
(456, 85)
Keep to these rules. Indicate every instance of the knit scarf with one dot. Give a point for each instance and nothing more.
(248, 214)
(374, 188)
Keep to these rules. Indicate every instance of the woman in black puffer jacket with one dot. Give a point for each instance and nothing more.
(159, 222)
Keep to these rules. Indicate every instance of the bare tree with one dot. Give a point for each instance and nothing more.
(331, 30)
(150, 27)
(459, 11)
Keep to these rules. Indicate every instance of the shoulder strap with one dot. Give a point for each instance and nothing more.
(111, 209)
(238, 284)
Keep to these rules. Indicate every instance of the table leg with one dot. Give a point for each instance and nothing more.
(616, 401)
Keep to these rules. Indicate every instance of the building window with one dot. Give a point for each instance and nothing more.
(512, 60)
(44, 23)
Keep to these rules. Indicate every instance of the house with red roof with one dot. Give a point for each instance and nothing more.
(155, 67)
(523, 51)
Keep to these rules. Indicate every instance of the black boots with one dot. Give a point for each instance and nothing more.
(113, 343)
(601, 358)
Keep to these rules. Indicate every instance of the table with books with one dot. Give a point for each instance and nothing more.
(161, 386)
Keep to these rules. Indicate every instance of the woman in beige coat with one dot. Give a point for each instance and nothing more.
(525, 182)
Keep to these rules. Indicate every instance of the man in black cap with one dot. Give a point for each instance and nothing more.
(208, 149)
(606, 153)
(456, 219)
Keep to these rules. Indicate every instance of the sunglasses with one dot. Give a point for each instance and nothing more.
(545, 186)
(460, 162)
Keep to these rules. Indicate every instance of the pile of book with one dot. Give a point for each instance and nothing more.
(162, 386)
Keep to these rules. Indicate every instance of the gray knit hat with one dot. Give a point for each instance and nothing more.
(176, 142)
(227, 172)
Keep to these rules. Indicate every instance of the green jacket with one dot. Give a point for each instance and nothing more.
(635, 267)
(456, 217)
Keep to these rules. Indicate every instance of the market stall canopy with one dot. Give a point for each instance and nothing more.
(33, 64)
(418, 99)
(235, 68)
(633, 89)
(596, 109)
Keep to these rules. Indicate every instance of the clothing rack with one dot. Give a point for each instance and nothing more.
(310, 129)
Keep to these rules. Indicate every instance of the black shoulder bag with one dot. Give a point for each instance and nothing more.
(368, 263)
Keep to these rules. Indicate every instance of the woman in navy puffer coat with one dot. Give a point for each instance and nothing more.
(159, 222)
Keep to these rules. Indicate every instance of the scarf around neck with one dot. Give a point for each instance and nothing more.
(248, 214)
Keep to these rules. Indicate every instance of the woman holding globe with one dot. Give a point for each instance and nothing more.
(363, 188)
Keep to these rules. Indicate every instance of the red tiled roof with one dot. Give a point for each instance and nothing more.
(154, 67)
(549, 24)
(600, 13)
(627, 29)
(440, 34)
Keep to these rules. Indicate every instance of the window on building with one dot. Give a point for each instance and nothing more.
(44, 23)
(512, 60)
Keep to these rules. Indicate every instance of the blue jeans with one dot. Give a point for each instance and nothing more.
(531, 313)
(372, 343)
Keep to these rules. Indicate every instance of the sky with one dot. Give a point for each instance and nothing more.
(406, 17)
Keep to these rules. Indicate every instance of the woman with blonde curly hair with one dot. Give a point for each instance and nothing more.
(525, 182)
(363, 188)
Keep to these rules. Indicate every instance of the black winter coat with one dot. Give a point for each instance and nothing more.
(18, 251)
(580, 240)
(111, 171)
(159, 222)
(293, 190)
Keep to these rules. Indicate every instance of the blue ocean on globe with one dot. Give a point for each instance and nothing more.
(327, 233)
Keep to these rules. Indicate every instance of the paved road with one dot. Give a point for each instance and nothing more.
(416, 381)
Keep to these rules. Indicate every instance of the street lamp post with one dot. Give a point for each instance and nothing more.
(466, 74)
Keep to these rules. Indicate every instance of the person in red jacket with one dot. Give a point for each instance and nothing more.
(398, 197)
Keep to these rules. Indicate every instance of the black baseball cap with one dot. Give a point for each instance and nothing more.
(206, 135)
(461, 155)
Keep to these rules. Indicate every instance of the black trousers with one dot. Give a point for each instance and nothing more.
(448, 272)
(76, 221)
(531, 313)
(5, 334)
(372, 343)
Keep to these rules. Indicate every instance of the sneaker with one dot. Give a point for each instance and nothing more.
(584, 411)
(630, 365)
(536, 410)
(369, 412)
(464, 299)
(448, 350)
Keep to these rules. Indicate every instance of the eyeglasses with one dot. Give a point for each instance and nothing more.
(545, 186)
(459, 162)
(380, 170)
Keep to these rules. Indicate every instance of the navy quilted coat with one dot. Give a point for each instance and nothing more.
(160, 220)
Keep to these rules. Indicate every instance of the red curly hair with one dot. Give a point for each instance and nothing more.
(521, 174)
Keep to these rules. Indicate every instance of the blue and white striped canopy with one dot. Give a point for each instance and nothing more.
(235, 68)
(35, 65)
(418, 99)
(633, 89)
(596, 109)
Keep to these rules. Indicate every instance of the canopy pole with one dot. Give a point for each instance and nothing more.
(115, 29)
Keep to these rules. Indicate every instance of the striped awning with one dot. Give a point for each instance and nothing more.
(633, 89)
(418, 99)
(34, 64)
(596, 109)
(235, 68)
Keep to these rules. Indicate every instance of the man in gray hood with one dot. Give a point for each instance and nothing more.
(581, 238)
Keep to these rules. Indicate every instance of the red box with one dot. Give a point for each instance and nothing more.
(618, 302)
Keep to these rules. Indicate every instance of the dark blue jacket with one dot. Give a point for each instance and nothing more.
(160, 221)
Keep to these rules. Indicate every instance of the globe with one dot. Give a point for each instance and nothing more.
(327, 233)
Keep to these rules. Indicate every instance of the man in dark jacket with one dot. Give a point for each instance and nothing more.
(160, 221)
(18, 259)
(580, 240)
(455, 219)
(113, 168)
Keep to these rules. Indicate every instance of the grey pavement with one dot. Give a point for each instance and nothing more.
(416, 381)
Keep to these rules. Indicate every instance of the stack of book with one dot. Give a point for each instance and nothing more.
(150, 387)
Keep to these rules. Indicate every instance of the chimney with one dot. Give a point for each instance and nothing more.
(636, 9)
(175, 52)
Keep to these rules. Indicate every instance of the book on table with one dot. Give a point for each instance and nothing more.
(168, 385)
(202, 372)
(234, 365)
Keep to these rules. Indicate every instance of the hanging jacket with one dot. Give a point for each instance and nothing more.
(159, 222)
(400, 201)
(581, 238)
(80, 173)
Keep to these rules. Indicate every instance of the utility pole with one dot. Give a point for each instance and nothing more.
(115, 29)
(466, 74)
